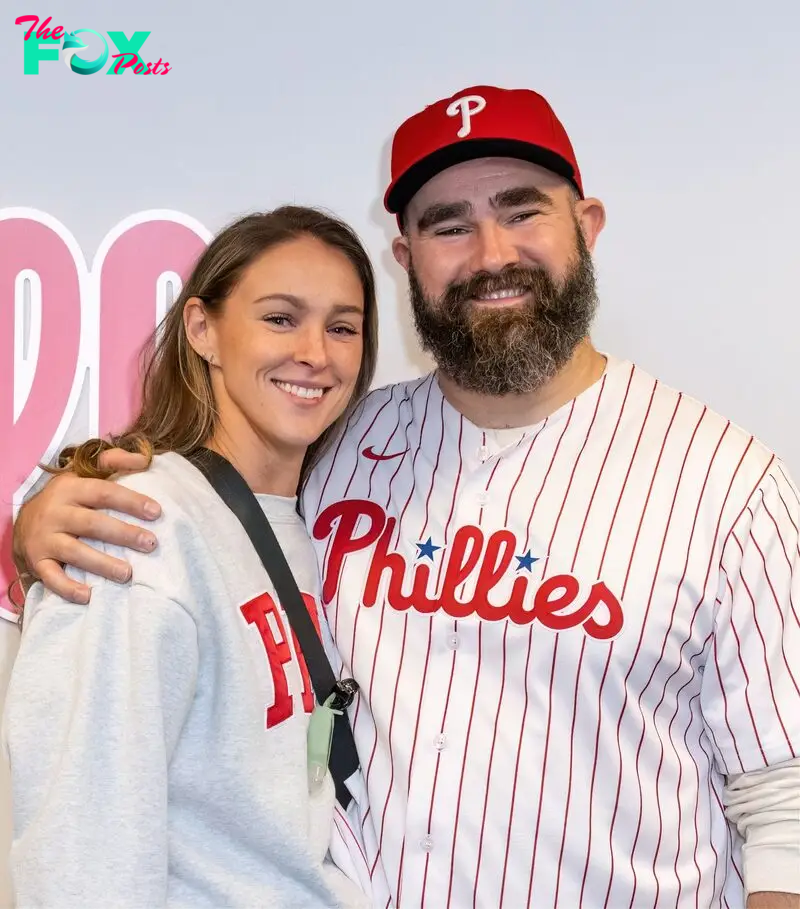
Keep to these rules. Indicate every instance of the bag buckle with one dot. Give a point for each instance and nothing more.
(343, 694)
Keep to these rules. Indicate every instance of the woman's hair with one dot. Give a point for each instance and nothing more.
(177, 406)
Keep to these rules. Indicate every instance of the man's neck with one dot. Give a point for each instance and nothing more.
(509, 411)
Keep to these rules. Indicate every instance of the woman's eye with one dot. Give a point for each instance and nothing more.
(280, 321)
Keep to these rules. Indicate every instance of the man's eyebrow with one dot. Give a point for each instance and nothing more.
(442, 211)
(522, 195)
(508, 198)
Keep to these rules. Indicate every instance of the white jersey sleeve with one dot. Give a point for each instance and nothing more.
(765, 807)
(96, 704)
(751, 686)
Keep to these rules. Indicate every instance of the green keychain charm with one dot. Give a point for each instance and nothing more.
(320, 736)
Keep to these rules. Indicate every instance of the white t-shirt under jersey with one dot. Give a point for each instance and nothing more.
(157, 739)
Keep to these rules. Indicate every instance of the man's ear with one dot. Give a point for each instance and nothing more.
(401, 251)
(591, 216)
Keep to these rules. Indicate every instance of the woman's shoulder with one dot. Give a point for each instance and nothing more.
(193, 525)
(189, 505)
(171, 480)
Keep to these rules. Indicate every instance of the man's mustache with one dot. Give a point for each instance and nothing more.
(513, 278)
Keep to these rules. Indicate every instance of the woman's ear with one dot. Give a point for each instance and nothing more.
(199, 329)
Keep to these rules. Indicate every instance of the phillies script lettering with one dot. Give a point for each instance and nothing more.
(555, 603)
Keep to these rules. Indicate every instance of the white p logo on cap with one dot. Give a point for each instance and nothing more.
(467, 106)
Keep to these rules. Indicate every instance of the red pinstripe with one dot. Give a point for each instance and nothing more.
(500, 698)
(463, 767)
(347, 824)
(527, 661)
(764, 643)
(691, 625)
(774, 600)
(391, 728)
(489, 770)
(583, 643)
(710, 763)
(747, 684)
(555, 643)
(435, 773)
(792, 608)
(697, 802)
(425, 671)
(666, 636)
(360, 699)
(471, 715)
(725, 708)
(402, 653)
(533, 510)
(647, 608)
(680, 776)
(516, 771)
(789, 517)
(452, 666)
(347, 490)
(488, 484)
(358, 448)
(405, 626)
(594, 772)
(611, 645)
(624, 588)
(571, 765)
(375, 465)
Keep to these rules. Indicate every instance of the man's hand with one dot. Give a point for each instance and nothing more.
(47, 527)
(765, 900)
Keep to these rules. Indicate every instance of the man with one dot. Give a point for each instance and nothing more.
(567, 591)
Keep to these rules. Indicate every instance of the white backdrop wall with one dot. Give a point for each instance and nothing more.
(685, 118)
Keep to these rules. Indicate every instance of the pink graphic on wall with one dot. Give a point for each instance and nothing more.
(62, 325)
(138, 266)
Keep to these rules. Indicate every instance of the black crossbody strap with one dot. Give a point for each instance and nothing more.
(231, 487)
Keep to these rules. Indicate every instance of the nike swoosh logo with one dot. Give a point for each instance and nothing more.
(374, 456)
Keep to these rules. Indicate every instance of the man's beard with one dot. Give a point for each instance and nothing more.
(501, 350)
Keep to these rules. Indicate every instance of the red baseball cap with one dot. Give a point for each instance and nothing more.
(478, 122)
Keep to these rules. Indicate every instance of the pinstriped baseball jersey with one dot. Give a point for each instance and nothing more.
(565, 636)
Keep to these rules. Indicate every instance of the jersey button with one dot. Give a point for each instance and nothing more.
(426, 843)
(453, 641)
(440, 741)
(483, 498)
(483, 453)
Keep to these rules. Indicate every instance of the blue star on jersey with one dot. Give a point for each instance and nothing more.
(427, 549)
(526, 561)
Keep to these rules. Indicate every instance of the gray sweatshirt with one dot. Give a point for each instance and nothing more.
(157, 739)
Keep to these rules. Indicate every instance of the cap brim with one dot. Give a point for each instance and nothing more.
(402, 191)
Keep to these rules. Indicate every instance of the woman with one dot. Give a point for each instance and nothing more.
(157, 740)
